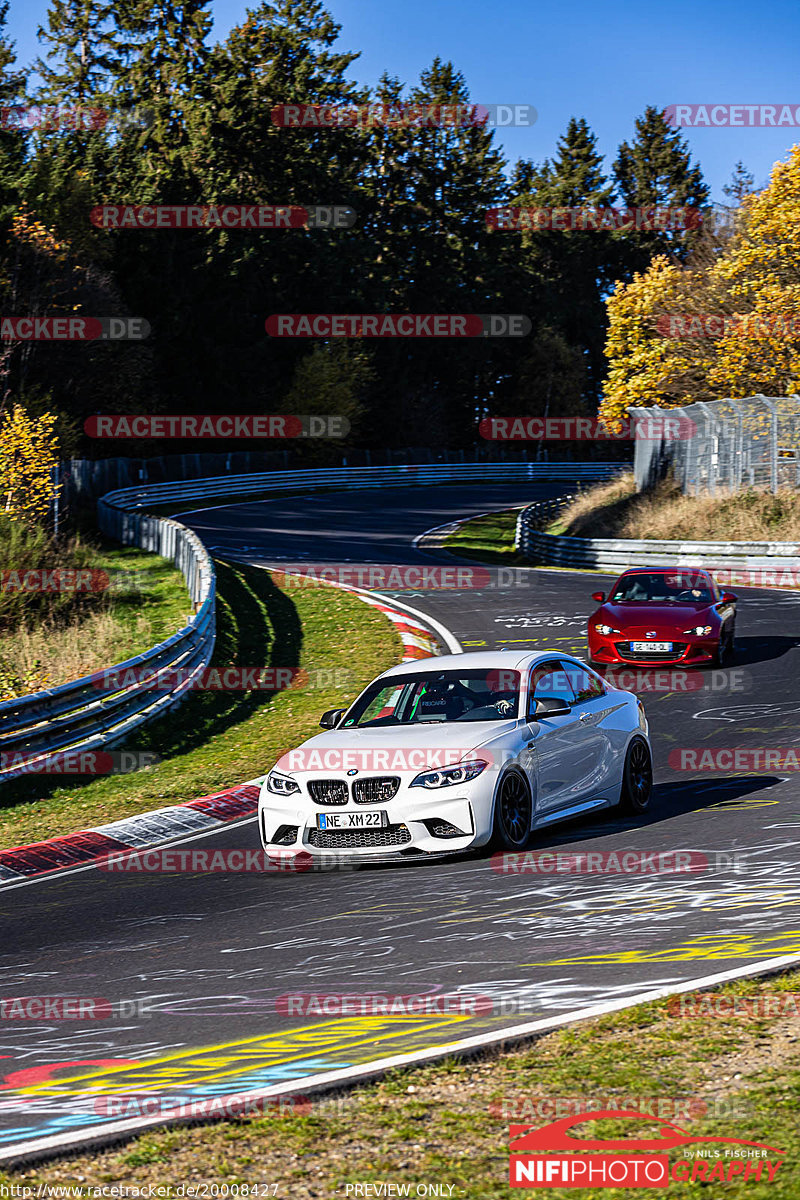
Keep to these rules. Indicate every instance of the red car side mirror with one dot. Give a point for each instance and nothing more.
(728, 598)
(599, 597)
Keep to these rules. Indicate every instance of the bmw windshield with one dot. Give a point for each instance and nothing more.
(433, 697)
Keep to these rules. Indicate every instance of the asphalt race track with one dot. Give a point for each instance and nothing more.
(208, 955)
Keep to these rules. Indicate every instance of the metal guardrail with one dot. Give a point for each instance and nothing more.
(617, 554)
(82, 716)
(338, 478)
(79, 717)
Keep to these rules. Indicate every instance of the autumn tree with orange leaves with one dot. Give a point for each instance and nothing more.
(755, 276)
(28, 454)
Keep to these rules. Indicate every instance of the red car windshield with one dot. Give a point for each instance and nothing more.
(662, 589)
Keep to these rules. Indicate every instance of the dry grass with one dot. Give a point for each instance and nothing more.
(50, 655)
(597, 509)
(615, 510)
(43, 647)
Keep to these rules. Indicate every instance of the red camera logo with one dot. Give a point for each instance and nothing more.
(551, 1156)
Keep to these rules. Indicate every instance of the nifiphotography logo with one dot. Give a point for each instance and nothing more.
(551, 1156)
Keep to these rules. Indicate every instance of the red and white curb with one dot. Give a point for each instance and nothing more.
(418, 641)
(131, 833)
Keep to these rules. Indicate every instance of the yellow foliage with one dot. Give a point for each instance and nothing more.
(37, 235)
(28, 454)
(756, 275)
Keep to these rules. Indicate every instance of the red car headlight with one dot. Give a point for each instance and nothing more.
(606, 630)
(699, 630)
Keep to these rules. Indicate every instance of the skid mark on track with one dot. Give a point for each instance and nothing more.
(707, 948)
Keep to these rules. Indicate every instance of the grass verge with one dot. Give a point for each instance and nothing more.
(217, 739)
(488, 538)
(735, 1076)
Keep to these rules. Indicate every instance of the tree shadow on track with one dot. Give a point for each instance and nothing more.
(670, 800)
(752, 650)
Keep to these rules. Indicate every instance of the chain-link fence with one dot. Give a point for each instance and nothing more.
(722, 446)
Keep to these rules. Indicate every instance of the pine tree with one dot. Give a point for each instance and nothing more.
(742, 183)
(655, 170)
(432, 185)
(575, 267)
(82, 46)
(12, 141)
(162, 71)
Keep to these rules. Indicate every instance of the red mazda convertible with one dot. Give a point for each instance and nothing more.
(662, 615)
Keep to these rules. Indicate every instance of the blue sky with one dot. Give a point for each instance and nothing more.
(603, 61)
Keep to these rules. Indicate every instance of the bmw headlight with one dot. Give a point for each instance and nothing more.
(606, 630)
(699, 630)
(449, 776)
(281, 785)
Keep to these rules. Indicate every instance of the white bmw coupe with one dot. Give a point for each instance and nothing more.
(449, 754)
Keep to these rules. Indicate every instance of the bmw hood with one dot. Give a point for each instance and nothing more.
(396, 748)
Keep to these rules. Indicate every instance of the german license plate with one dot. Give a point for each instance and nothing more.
(651, 646)
(353, 820)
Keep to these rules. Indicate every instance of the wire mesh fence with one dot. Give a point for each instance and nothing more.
(725, 446)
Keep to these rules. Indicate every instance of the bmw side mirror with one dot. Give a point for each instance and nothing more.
(551, 706)
(599, 597)
(331, 718)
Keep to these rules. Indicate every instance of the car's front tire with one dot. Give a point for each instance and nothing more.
(724, 653)
(513, 813)
(637, 778)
